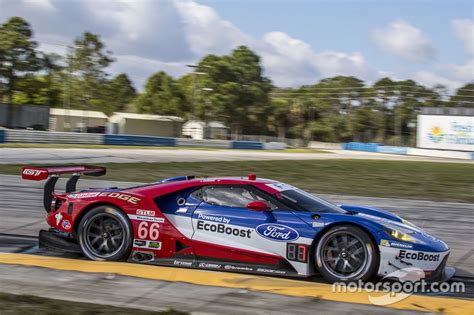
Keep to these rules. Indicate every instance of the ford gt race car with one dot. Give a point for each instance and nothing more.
(244, 224)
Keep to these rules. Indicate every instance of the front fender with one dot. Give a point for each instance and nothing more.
(372, 211)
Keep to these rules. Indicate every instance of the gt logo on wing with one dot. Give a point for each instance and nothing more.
(31, 172)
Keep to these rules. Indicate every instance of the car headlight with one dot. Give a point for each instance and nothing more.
(399, 235)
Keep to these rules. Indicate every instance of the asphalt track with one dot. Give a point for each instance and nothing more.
(21, 217)
(53, 156)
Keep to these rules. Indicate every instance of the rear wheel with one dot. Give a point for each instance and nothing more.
(346, 253)
(105, 233)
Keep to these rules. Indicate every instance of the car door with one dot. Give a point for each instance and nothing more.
(226, 231)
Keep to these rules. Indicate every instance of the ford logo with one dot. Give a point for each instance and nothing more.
(277, 232)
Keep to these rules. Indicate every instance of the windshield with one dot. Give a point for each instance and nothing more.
(309, 202)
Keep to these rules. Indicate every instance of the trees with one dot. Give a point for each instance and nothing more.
(121, 93)
(18, 57)
(464, 96)
(240, 92)
(161, 96)
(88, 61)
(231, 88)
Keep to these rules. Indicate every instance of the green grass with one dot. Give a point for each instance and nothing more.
(403, 179)
(26, 305)
(128, 147)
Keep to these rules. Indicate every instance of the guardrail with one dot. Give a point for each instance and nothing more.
(249, 145)
(392, 149)
(196, 143)
(325, 145)
(29, 136)
(138, 140)
(361, 146)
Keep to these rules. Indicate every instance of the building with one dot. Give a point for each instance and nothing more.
(446, 129)
(77, 120)
(144, 124)
(196, 129)
(24, 116)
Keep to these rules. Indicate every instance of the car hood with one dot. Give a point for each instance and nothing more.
(377, 222)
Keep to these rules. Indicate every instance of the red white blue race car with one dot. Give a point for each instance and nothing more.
(249, 224)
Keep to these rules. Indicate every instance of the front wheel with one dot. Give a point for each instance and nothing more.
(346, 253)
(105, 233)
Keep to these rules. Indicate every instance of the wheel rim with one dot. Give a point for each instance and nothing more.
(345, 255)
(104, 235)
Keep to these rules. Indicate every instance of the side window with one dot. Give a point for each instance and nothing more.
(228, 196)
(271, 202)
(197, 194)
(235, 196)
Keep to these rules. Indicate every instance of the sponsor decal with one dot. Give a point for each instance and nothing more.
(388, 243)
(139, 243)
(84, 195)
(183, 263)
(221, 228)
(206, 265)
(32, 172)
(148, 213)
(144, 218)
(270, 271)
(213, 218)
(147, 244)
(436, 134)
(66, 225)
(319, 224)
(154, 245)
(58, 217)
(277, 232)
(231, 267)
(125, 197)
(418, 256)
(182, 210)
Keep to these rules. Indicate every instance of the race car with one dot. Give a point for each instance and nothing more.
(240, 224)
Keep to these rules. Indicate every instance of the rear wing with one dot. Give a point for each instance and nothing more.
(51, 173)
(43, 172)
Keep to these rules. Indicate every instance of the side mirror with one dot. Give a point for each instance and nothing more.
(258, 206)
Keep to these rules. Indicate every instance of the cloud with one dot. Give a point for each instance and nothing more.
(453, 75)
(464, 30)
(206, 32)
(45, 5)
(286, 60)
(431, 79)
(337, 63)
(147, 36)
(140, 68)
(405, 40)
(289, 61)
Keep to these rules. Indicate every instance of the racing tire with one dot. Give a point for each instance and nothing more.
(105, 233)
(346, 253)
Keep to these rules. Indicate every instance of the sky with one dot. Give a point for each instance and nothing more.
(300, 42)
